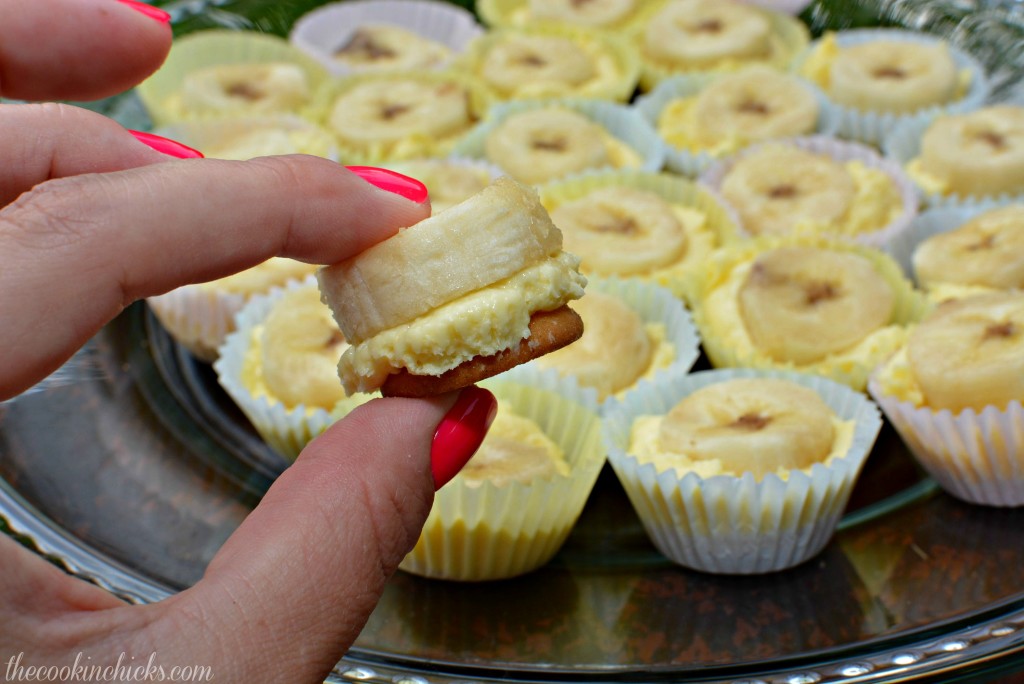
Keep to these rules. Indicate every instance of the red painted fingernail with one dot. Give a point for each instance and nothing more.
(148, 10)
(409, 188)
(460, 433)
(167, 146)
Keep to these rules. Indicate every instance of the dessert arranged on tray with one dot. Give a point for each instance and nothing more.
(836, 223)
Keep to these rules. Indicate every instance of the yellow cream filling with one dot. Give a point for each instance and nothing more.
(262, 277)
(478, 324)
(621, 155)
(514, 450)
(895, 378)
(931, 184)
(645, 445)
(875, 204)
(662, 356)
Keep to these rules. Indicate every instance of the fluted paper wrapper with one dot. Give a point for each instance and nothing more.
(286, 430)
(973, 455)
(489, 532)
(842, 152)
(321, 32)
(688, 162)
(206, 135)
(873, 127)
(516, 13)
(738, 525)
(622, 122)
(720, 218)
(209, 48)
(198, 318)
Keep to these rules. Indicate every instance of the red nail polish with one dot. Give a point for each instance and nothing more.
(409, 188)
(150, 11)
(460, 433)
(167, 146)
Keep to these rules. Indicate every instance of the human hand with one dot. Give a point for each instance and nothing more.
(92, 219)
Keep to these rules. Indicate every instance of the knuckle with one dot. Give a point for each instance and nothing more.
(48, 216)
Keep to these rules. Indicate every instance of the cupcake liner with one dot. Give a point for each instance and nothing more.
(873, 127)
(489, 532)
(720, 218)
(208, 48)
(411, 167)
(691, 163)
(792, 37)
(516, 13)
(197, 317)
(910, 307)
(738, 525)
(416, 146)
(622, 122)
(286, 430)
(840, 151)
(597, 44)
(654, 304)
(207, 135)
(973, 455)
(903, 145)
(320, 32)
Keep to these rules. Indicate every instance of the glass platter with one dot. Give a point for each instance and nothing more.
(130, 467)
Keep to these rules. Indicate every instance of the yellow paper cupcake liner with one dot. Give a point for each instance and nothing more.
(516, 13)
(910, 307)
(489, 532)
(210, 136)
(721, 227)
(607, 52)
(160, 93)
(416, 146)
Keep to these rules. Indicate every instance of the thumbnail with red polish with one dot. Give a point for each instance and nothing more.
(148, 10)
(460, 433)
(167, 146)
(392, 181)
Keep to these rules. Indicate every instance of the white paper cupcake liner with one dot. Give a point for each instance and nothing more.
(973, 455)
(694, 163)
(738, 525)
(903, 145)
(207, 134)
(199, 318)
(320, 32)
(486, 532)
(841, 151)
(286, 430)
(873, 127)
(623, 122)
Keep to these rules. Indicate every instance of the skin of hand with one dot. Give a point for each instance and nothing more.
(85, 202)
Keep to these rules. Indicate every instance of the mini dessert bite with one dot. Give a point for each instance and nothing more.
(383, 47)
(608, 15)
(249, 137)
(449, 181)
(456, 298)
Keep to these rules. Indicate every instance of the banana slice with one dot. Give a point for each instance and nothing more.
(801, 304)
(514, 450)
(756, 425)
(893, 76)
(621, 230)
(377, 47)
(615, 349)
(594, 13)
(702, 33)
(979, 153)
(519, 62)
(986, 251)
(394, 109)
(300, 347)
(539, 145)
(969, 353)
(271, 87)
(755, 104)
(778, 186)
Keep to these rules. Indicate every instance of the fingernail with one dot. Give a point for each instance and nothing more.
(409, 188)
(460, 433)
(150, 11)
(167, 146)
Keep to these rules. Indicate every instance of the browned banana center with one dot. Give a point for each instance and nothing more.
(532, 60)
(550, 144)
(754, 107)
(782, 192)
(390, 111)
(1000, 331)
(246, 91)
(821, 291)
(709, 26)
(993, 140)
(894, 73)
(751, 421)
(987, 242)
(362, 44)
(624, 225)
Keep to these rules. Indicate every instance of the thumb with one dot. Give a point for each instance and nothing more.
(293, 586)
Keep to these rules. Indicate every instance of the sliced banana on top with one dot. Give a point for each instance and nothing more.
(893, 76)
(756, 425)
(539, 145)
(621, 231)
(300, 346)
(776, 187)
(377, 47)
(514, 450)
(969, 353)
(394, 109)
(801, 304)
(703, 33)
(987, 251)
(272, 87)
(758, 103)
(595, 13)
(978, 153)
(518, 62)
(615, 349)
